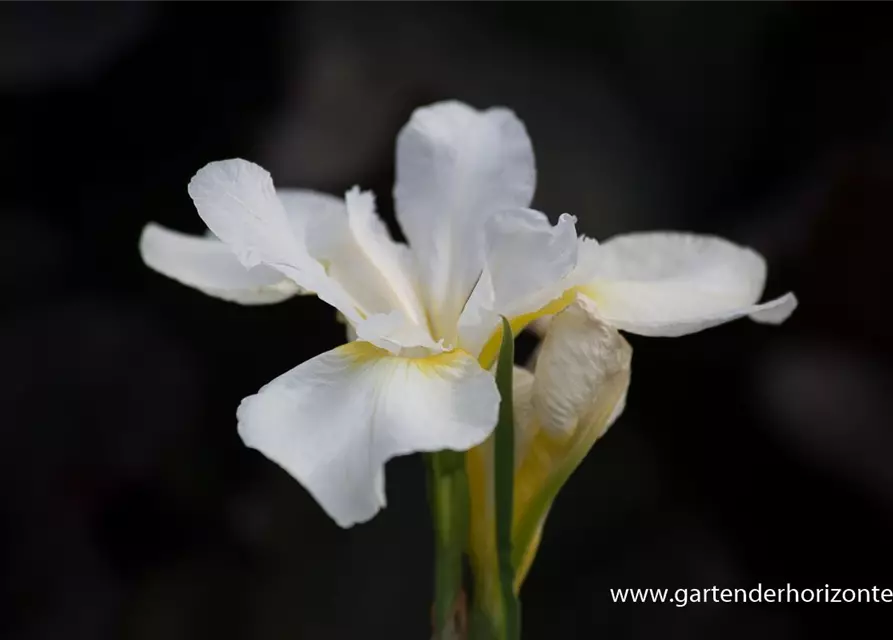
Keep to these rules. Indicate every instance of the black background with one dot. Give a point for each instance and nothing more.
(747, 455)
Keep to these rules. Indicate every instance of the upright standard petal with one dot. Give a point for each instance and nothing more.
(457, 166)
(207, 264)
(333, 421)
(526, 264)
(672, 284)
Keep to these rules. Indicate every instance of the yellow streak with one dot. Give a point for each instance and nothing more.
(360, 353)
(491, 348)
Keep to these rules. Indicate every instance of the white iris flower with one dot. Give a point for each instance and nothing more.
(422, 314)
(423, 318)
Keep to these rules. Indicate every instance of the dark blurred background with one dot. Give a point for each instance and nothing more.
(747, 455)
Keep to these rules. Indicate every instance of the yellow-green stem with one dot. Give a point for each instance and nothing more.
(448, 488)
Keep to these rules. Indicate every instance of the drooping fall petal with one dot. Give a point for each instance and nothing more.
(335, 420)
(210, 266)
(672, 284)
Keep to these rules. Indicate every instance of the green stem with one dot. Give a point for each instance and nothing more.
(504, 479)
(448, 492)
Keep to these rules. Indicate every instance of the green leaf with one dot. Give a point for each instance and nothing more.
(504, 477)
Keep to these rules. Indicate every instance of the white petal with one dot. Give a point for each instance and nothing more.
(456, 166)
(671, 284)
(398, 334)
(304, 207)
(391, 260)
(526, 263)
(333, 421)
(527, 258)
(583, 364)
(348, 230)
(211, 267)
(238, 202)
(307, 211)
(359, 254)
(587, 256)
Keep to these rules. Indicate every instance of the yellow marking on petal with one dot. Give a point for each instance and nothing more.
(491, 348)
(430, 365)
(592, 292)
(361, 352)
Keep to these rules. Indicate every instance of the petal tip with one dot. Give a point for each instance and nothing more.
(229, 170)
(567, 218)
(777, 311)
(358, 199)
(150, 243)
(149, 229)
